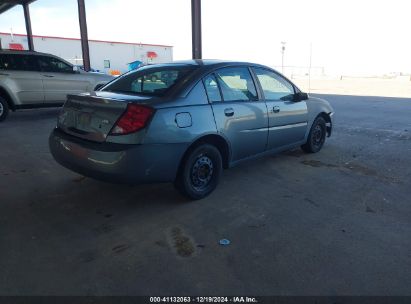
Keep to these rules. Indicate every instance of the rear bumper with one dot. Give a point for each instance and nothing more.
(117, 163)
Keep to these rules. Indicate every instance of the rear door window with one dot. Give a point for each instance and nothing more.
(211, 87)
(237, 84)
(18, 62)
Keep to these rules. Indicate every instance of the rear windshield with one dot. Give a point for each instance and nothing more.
(150, 81)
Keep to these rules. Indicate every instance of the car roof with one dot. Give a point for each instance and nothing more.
(202, 68)
(32, 53)
(206, 62)
(18, 52)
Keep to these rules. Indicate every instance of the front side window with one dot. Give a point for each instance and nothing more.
(150, 81)
(17, 62)
(236, 84)
(54, 65)
(211, 86)
(274, 86)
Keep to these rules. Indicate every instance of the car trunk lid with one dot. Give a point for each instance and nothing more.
(92, 116)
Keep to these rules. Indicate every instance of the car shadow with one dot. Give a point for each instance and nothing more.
(100, 209)
(87, 195)
(31, 115)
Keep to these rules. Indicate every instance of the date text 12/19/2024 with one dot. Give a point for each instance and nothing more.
(203, 299)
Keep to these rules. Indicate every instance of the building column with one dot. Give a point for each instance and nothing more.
(83, 34)
(196, 28)
(28, 26)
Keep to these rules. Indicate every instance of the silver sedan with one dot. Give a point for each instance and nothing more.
(186, 124)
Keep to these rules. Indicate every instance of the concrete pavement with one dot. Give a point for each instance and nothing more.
(334, 223)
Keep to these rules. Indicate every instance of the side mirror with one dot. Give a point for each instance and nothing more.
(76, 69)
(300, 96)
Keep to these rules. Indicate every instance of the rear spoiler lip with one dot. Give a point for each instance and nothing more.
(88, 97)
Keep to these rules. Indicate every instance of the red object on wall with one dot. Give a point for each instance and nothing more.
(16, 46)
(151, 54)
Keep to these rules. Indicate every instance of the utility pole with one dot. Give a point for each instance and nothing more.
(28, 26)
(282, 56)
(83, 34)
(196, 29)
(309, 68)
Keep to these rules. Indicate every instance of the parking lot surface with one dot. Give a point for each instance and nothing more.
(333, 223)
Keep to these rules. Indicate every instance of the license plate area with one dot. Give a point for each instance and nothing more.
(83, 121)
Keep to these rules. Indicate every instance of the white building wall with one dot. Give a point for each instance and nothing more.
(119, 54)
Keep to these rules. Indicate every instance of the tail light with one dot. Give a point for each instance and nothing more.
(133, 119)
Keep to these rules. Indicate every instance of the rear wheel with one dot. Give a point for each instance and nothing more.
(4, 109)
(316, 137)
(200, 172)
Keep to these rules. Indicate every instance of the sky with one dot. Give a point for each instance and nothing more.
(350, 37)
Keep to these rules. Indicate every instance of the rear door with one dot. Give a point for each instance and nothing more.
(239, 114)
(287, 119)
(22, 77)
(59, 79)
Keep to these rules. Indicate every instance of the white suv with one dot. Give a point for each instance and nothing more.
(31, 79)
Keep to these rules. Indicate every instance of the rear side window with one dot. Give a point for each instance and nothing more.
(211, 87)
(274, 86)
(149, 81)
(18, 62)
(236, 84)
(54, 65)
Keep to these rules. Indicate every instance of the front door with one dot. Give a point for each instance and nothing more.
(239, 114)
(287, 119)
(59, 79)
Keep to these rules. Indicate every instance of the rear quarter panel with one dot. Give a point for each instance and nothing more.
(179, 120)
(9, 87)
(13, 88)
(166, 126)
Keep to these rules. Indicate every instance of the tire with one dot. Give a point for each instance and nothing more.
(200, 172)
(316, 137)
(4, 109)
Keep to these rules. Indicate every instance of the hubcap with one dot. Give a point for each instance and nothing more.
(202, 172)
(318, 136)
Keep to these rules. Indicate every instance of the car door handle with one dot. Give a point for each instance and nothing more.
(229, 112)
(4, 74)
(49, 76)
(276, 109)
